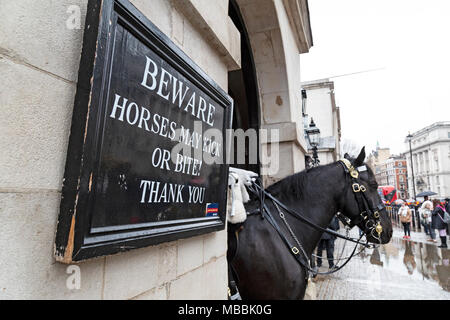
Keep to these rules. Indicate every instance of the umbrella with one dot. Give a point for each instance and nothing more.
(399, 201)
(426, 194)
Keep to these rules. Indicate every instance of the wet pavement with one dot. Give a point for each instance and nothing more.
(413, 269)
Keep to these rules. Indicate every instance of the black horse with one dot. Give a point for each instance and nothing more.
(263, 266)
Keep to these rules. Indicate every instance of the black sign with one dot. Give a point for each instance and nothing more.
(146, 157)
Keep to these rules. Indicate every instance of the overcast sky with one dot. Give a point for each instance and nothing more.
(409, 40)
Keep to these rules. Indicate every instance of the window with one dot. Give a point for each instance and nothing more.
(415, 160)
(427, 161)
(436, 159)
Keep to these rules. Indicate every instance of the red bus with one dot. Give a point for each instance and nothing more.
(387, 193)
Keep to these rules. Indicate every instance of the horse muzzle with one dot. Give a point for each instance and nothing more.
(380, 230)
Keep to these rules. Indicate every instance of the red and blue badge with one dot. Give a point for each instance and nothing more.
(212, 209)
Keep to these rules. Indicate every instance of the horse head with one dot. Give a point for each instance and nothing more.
(361, 202)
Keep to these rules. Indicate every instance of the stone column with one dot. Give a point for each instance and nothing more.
(277, 62)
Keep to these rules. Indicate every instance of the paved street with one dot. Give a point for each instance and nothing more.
(414, 270)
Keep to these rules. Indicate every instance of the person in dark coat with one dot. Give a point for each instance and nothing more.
(437, 222)
(447, 205)
(327, 242)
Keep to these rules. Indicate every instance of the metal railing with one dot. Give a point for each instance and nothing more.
(393, 214)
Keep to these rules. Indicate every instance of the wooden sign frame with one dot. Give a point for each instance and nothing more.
(76, 239)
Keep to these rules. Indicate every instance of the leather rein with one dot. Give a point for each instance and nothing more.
(367, 220)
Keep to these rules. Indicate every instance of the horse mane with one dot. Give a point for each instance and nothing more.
(297, 184)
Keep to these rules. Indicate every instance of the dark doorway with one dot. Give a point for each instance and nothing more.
(243, 88)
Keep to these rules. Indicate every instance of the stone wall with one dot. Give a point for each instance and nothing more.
(39, 59)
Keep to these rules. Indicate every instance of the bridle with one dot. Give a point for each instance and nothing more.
(367, 220)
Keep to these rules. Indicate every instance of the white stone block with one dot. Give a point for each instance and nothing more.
(157, 11)
(205, 56)
(130, 274)
(268, 47)
(234, 42)
(205, 283)
(177, 28)
(210, 19)
(216, 279)
(272, 78)
(37, 33)
(190, 254)
(159, 293)
(215, 245)
(35, 117)
(188, 286)
(275, 107)
(27, 267)
(259, 15)
(281, 165)
(215, 14)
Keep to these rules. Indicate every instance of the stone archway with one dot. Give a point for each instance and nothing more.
(277, 41)
(243, 88)
(265, 37)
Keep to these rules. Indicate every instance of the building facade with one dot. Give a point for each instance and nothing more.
(396, 175)
(249, 48)
(430, 149)
(320, 105)
(381, 174)
(390, 170)
(377, 162)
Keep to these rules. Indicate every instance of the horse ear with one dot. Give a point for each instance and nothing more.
(360, 159)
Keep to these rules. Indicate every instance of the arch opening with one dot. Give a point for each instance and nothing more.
(243, 88)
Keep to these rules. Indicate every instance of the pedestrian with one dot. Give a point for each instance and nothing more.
(437, 222)
(327, 242)
(425, 215)
(405, 219)
(447, 205)
(423, 218)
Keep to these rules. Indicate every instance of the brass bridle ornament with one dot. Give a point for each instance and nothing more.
(367, 212)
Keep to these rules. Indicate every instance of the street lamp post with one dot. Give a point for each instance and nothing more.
(409, 137)
(304, 97)
(313, 134)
